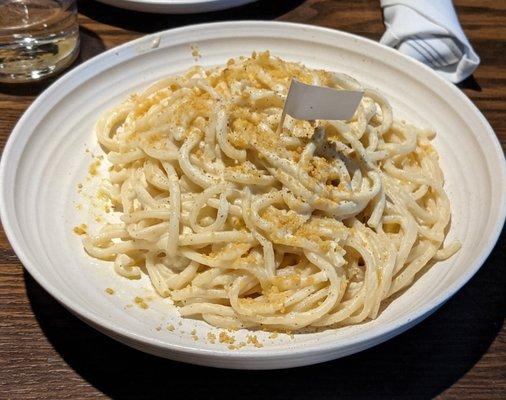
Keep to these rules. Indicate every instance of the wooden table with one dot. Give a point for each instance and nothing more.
(459, 352)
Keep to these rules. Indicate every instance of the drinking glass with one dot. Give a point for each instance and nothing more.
(37, 38)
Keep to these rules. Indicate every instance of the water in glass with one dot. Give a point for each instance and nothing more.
(37, 38)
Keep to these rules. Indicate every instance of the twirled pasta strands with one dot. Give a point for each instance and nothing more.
(245, 227)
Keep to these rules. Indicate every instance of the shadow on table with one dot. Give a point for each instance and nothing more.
(420, 363)
(470, 83)
(147, 22)
(91, 45)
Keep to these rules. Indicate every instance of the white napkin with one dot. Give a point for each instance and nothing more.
(429, 31)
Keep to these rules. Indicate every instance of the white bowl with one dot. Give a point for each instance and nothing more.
(45, 159)
(176, 6)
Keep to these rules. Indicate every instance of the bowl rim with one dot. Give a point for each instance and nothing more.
(365, 339)
(177, 3)
(176, 6)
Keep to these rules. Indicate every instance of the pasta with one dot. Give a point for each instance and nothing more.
(243, 225)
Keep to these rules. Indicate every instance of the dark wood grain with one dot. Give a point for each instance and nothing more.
(459, 352)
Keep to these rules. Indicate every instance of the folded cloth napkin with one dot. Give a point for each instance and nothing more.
(429, 31)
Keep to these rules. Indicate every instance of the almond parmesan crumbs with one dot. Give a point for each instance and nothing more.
(211, 338)
(194, 335)
(93, 168)
(141, 303)
(170, 328)
(240, 345)
(158, 328)
(102, 194)
(80, 229)
(252, 339)
(273, 335)
(195, 52)
(109, 291)
(224, 337)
